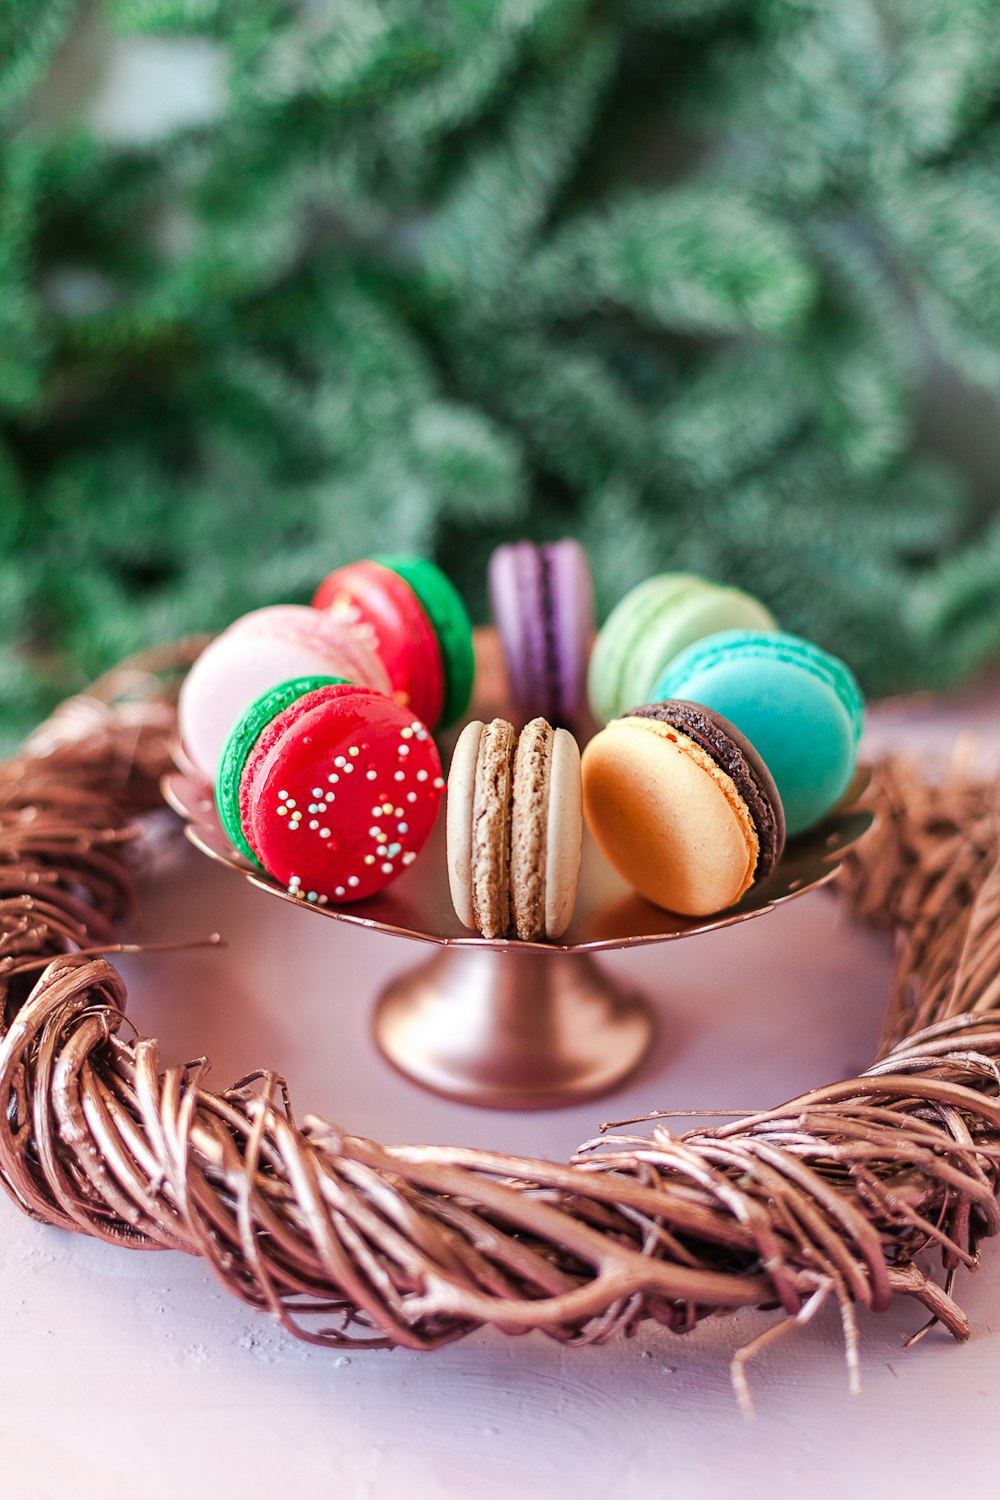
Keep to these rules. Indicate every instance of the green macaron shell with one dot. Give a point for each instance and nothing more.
(443, 606)
(242, 738)
(611, 657)
(655, 621)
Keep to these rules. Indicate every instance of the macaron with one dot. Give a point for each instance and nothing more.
(801, 707)
(255, 653)
(654, 622)
(542, 600)
(336, 794)
(515, 829)
(683, 806)
(412, 616)
(242, 739)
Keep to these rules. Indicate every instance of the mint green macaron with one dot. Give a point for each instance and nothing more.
(652, 624)
(242, 738)
(800, 708)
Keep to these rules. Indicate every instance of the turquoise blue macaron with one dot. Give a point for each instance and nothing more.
(651, 625)
(800, 708)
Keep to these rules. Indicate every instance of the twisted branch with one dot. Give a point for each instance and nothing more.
(348, 1243)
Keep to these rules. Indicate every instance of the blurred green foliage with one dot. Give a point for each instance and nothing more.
(667, 274)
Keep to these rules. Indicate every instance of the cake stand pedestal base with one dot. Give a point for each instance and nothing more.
(504, 1028)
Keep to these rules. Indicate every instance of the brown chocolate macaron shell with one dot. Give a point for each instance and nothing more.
(735, 755)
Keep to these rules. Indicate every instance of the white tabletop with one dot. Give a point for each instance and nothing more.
(127, 1373)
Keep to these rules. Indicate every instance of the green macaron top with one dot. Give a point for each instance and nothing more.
(442, 604)
(242, 738)
(652, 624)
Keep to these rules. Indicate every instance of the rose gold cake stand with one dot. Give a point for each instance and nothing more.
(507, 1024)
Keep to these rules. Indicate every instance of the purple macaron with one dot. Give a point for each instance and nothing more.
(542, 599)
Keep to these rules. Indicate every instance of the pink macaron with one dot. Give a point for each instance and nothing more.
(255, 653)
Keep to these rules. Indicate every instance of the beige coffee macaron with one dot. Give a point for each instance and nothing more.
(515, 829)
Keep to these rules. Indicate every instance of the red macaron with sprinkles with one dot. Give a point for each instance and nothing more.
(335, 793)
(410, 614)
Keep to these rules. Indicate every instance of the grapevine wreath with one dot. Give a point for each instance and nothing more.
(349, 1243)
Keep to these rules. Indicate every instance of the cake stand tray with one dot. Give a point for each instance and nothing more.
(508, 1024)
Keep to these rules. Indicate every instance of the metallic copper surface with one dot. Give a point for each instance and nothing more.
(508, 1024)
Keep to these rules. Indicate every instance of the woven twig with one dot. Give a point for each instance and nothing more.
(832, 1195)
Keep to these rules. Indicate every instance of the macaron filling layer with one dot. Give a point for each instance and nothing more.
(548, 667)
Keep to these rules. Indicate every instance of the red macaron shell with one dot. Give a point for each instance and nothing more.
(345, 795)
(391, 619)
(271, 735)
